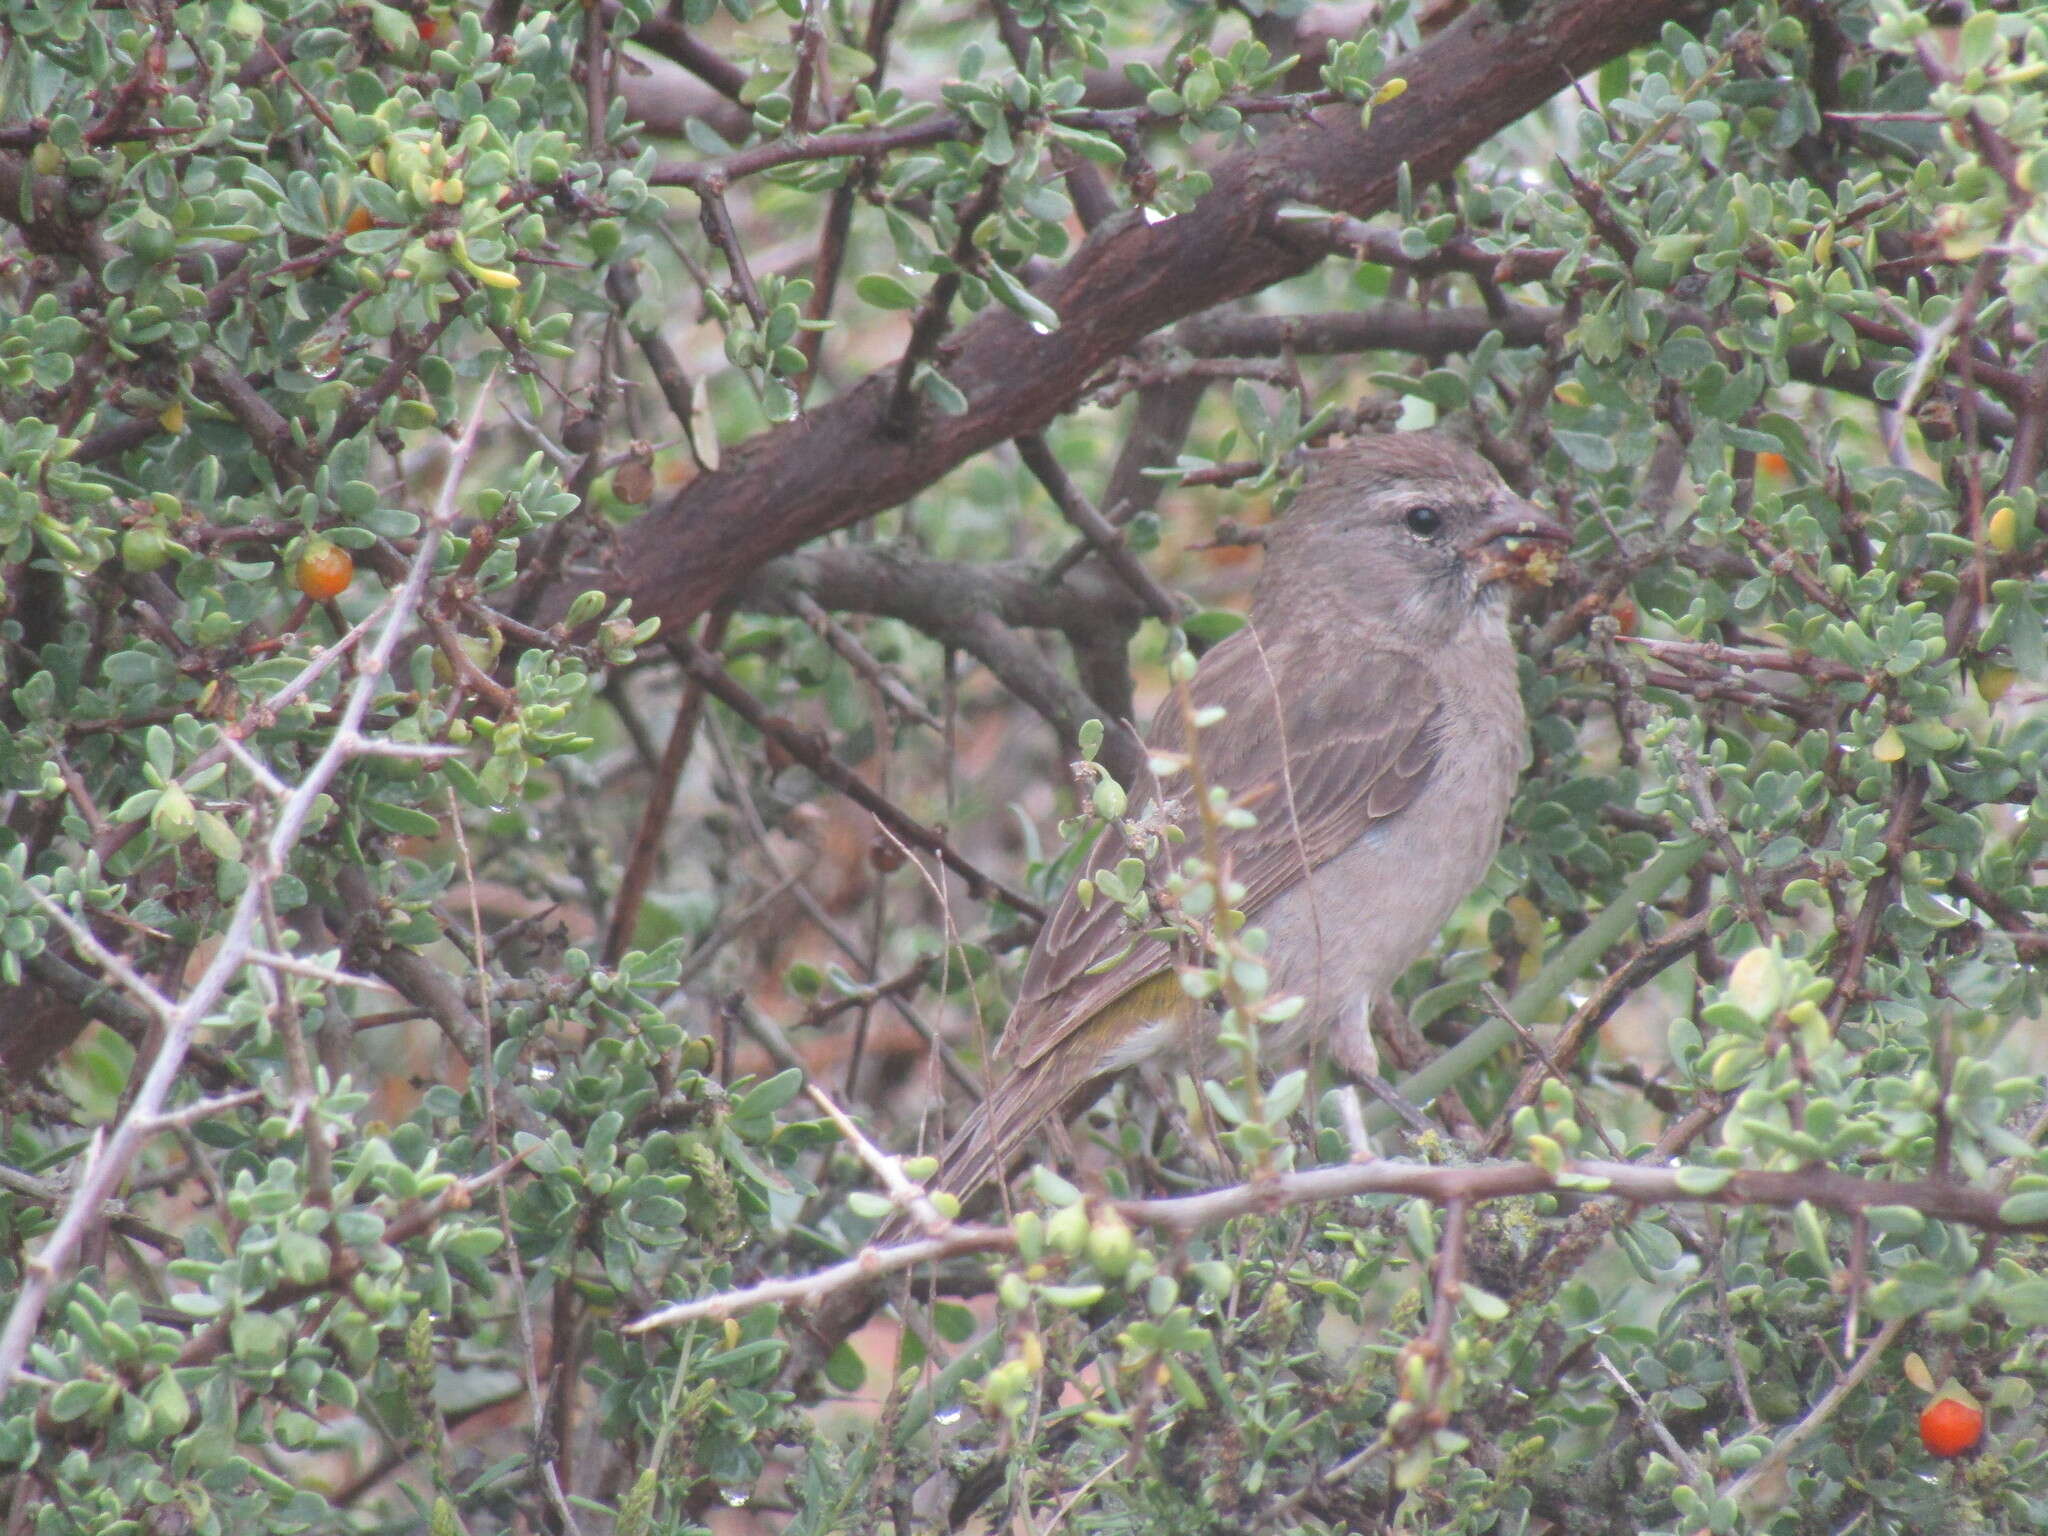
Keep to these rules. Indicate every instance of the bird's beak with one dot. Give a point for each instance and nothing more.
(1517, 519)
(1520, 542)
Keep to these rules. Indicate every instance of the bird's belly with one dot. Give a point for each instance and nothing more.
(1364, 916)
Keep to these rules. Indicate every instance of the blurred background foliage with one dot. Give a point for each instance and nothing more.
(421, 1027)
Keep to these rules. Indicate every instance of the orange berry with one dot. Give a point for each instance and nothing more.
(324, 570)
(1772, 464)
(357, 221)
(1626, 618)
(1950, 1427)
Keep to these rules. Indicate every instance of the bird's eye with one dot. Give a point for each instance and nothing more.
(1424, 522)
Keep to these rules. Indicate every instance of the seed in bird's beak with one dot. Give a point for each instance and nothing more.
(1524, 547)
(1531, 562)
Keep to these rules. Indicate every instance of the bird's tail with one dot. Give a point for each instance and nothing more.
(989, 1144)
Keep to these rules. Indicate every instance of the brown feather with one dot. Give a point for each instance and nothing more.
(1359, 747)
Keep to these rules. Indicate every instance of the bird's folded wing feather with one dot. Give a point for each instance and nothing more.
(1362, 729)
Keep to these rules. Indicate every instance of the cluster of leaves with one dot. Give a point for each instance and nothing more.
(1870, 797)
(1764, 311)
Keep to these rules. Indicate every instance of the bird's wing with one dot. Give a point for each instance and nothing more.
(1361, 727)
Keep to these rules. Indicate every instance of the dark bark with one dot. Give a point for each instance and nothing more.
(837, 465)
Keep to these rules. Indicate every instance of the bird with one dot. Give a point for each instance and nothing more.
(1373, 723)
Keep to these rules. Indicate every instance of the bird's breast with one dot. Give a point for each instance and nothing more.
(1367, 913)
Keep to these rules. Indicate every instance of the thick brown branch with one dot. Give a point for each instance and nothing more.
(977, 609)
(1433, 333)
(1129, 279)
(679, 45)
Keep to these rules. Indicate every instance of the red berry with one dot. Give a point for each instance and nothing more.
(324, 570)
(1950, 1427)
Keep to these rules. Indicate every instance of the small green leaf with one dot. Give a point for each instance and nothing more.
(1695, 1180)
(884, 291)
(1484, 1305)
(2024, 1210)
(2024, 1302)
(845, 1369)
(765, 1098)
(1016, 296)
(1053, 1189)
(1588, 450)
(401, 820)
(1212, 625)
(1074, 1298)
(1094, 146)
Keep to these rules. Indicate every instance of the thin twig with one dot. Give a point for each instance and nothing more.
(869, 1265)
(1782, 1449)
(145, 1115)
(720, 684)
(857, 656)
(906, 1193)
(1672, 1448)
(659, 804)
(792, 881)
(934, 313)
(717, 221)
(261, 718)
(1108, 541)
(1633, 1184)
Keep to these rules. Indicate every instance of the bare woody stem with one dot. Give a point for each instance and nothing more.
(1634, 1183)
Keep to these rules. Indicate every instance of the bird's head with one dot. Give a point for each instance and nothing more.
(1413, 528)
